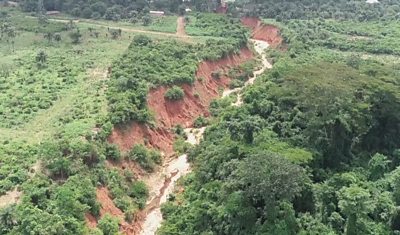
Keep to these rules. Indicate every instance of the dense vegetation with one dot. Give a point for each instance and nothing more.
(111, 10)
(53, 127)
(327, 9)
(60, 90)
(314, 149)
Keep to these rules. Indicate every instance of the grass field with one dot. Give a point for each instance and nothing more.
(38, 102)
(65, 94)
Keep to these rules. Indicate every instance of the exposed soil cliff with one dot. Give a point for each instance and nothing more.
(134, 133)
(171, 113)
(263, 32)
(197, 96)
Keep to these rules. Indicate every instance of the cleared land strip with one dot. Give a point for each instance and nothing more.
(132, 30)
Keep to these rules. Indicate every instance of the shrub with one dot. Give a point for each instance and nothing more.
(141, 40)
(144, 157)
(216, 74)
(200, 122)
(139, 192)
(181, 146)
(179, 130)
(175, 93)
(236, 83)
(130, 214)
(108, 225)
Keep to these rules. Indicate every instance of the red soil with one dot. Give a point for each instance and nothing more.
(106, 204)
(107, 207)
(90, 220)
(265, 32)
(159, 138)
(197, 96)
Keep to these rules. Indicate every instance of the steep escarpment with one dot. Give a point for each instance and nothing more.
(263, 32)
(198, 95)
(136, 133)
(182, 112)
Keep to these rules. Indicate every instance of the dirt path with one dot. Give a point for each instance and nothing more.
(162, 184)
(180, 29)
(10, 197)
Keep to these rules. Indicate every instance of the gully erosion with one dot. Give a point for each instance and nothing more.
(183, 112)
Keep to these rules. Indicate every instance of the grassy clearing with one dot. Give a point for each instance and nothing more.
(166, 24)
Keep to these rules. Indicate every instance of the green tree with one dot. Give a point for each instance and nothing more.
(267, 178)
(244, 129)
(49, 36)
(355, 202)
(378, 166)
(57, 37)
(146, 20)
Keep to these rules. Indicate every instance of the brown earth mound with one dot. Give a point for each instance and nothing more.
(264, 32)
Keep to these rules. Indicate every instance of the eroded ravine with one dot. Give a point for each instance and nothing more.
(161, 184)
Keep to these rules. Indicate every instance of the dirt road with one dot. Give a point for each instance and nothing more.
(180, 30)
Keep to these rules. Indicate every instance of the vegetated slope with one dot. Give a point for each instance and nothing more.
(67, 136)
(313, 149)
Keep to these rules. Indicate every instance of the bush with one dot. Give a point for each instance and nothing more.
(144, 157)
(141, 40)
(108, 225)
(112, 152)
(216, 74)
(200, 122)
(175, 93)
(235, 83)
(139, 192)
(181, 146)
